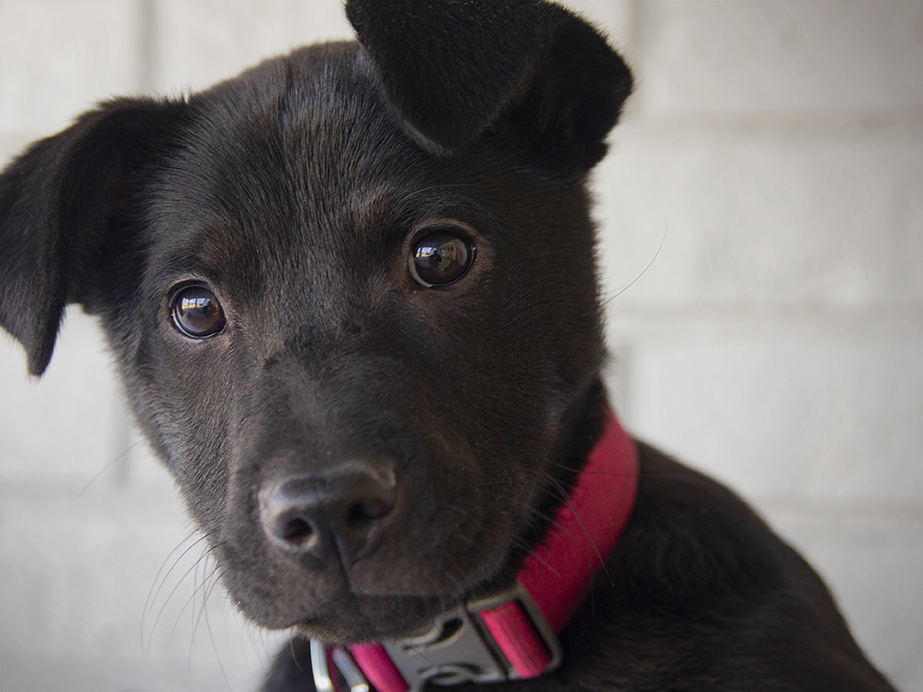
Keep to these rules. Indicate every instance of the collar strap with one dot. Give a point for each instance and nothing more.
(512, 635)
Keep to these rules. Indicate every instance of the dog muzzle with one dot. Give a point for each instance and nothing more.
(511, 635)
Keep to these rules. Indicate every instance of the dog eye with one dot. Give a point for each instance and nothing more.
(197, 312)
(439, 258)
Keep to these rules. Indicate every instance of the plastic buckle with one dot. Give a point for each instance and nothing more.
(537, 618)
(458, 648)
(450, 652)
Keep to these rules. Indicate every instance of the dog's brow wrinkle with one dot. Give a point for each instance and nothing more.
(377, 209)
(223, 252)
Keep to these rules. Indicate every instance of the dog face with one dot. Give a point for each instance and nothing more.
(352, 296)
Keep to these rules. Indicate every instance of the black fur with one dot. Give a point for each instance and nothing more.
(421, 432)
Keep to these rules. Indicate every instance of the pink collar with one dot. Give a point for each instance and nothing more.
(512, 635)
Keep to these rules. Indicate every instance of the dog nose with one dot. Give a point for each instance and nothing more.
(337, 514)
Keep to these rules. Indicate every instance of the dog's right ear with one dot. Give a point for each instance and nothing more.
(58, 203)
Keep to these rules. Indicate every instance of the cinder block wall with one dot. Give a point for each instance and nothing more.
(768, 170)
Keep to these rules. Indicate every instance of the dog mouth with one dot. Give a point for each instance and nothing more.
(337, 606)
(413, 573)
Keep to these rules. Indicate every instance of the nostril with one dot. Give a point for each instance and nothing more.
(294, 521)
(296, 531)
(367, 511)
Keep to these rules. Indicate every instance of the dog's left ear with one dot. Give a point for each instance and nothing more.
(452, 69)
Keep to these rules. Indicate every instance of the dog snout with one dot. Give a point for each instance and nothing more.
(337, 515)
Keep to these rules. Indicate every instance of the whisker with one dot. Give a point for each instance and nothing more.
(586, 534)
(152, 599)
(214, 578)
(96, 476)
(209, 582)
(173, 592)
(291, 648)
(590, 473)
(619, 291)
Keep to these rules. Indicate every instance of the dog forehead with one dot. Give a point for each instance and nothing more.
(298, 132)
(298, 156)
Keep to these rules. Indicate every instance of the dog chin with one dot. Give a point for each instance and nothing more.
(336, 611)
(374, 618)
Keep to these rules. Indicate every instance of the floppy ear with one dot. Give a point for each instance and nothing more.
(58, 201)
(454, 68)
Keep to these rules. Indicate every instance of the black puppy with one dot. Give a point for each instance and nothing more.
(352, 296)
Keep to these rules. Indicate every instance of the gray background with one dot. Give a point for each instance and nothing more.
(774, 147)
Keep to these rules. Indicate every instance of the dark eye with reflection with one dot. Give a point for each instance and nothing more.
(440, 258)
(197, 312)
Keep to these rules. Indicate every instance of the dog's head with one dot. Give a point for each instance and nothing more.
(352, 297)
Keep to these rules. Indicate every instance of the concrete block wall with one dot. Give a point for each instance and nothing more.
(769, 169)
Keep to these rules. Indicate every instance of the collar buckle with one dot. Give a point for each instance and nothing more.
(466, 644)
(502, 637)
